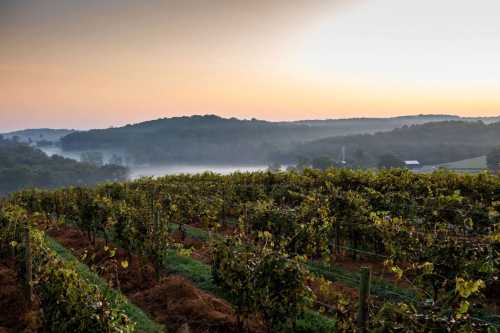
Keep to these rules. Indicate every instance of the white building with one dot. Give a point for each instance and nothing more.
(412, 164)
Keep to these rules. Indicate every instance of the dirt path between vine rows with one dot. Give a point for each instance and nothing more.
(15, 314)
(326, 296)
(173, 301)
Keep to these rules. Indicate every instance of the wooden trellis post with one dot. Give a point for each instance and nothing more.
(28, 264)
(364, 292)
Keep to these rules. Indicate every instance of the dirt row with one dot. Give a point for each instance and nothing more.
(172, 301)
(16, 315)
(326, 298)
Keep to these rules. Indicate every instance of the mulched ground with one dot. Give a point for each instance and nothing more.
(173, 301)
(15, 314)
(325, 298)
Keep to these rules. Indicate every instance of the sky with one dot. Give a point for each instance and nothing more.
(100, 63)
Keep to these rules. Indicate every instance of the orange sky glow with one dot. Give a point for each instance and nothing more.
(85, 64)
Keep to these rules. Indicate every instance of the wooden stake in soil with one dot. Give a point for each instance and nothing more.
(364, 292)
(28, 264)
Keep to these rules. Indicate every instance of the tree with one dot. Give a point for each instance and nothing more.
(274, 167)
(44, 143)
(493, 159)
(390, 161)
(361, 158)
(302, 163)
(92, 157)
(116, 160)
(22, 166)
(322, 163)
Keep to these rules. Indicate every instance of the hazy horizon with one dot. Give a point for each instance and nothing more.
(95, 64)
(17, 129)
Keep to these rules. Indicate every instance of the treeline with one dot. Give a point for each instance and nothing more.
(37, 135)
(22, 166)
(211, 139)
(430, 143)
(192, 140)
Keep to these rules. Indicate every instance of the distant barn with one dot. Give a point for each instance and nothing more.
(412, 164)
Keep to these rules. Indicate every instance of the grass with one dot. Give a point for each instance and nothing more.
(379, 287)
(143, 322)
(201, 275)
(191, 231)
(314, 322)
(470, 163)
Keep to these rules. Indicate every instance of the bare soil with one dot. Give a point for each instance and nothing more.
(326, 298)
(15, 314)
(173, 300)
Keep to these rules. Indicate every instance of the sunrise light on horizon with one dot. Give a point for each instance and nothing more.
(91, 64)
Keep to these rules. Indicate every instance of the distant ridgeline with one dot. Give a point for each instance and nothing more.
(22, 166)
(430, 143)
(211, 139)
(38, 135)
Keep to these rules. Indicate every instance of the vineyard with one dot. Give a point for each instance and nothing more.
(333, 251)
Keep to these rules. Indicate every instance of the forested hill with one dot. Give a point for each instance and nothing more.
(219, 140)
(38, 134)
(192, 139)
(22, 166)
(429, 143)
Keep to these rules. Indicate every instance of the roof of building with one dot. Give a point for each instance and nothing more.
(412, 162)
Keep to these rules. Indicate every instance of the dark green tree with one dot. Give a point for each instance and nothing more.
(322, 163)
(493, 159)
(92, 157)
(390, 161)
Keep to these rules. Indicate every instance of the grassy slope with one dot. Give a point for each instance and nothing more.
(144, 323)
(471, 163)
(200, 274)
(381, 288)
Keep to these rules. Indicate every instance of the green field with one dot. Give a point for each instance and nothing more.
(470, 163)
